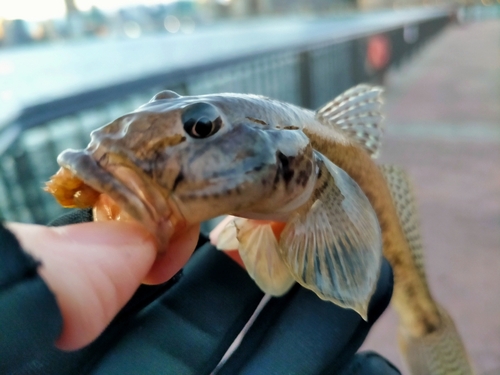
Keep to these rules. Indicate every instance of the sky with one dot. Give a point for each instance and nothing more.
(39, 10)
(32, 10)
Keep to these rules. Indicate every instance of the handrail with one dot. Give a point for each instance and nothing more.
(307, 74)
(43, 112)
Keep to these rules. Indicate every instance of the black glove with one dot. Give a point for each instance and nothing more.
(186, 325)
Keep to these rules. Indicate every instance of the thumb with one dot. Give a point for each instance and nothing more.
(93, 269)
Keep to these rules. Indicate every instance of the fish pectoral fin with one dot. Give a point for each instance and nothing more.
(335, 247)
(227, 239)
(259, 251)
(357, 112)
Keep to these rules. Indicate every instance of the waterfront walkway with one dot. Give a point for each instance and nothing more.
(443, 124)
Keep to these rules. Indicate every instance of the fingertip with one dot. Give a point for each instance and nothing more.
(168, 263)
(92, 268)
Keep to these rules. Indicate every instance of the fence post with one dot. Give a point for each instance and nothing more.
(305, 80)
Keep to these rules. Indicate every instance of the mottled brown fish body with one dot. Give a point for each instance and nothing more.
(182, 160)
(411, 297)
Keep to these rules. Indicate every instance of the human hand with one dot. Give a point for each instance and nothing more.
(186, 328)
(93, 269)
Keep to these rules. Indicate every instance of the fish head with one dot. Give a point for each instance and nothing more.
(182, 160)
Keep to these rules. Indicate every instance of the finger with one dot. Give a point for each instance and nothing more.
(93, 269)
(174, 258)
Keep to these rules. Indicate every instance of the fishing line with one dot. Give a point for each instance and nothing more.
(237, 341)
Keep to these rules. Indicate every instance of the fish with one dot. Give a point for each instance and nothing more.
(308, 202)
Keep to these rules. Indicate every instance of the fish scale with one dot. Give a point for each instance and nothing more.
(404, 200)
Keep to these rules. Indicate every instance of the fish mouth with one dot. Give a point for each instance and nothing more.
(126, 193)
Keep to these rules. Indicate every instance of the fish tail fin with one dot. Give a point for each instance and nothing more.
(429, 342)
(440, 352)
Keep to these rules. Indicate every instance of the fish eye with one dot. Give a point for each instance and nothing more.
(201, 120)
(166, 94)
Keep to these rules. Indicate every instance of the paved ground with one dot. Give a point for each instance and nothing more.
(443, 124)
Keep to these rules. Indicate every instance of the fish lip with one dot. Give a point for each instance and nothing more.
(125, 192)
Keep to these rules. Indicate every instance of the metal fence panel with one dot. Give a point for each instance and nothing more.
(308, 76)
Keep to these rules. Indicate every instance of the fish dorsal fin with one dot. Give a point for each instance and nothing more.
(404, 200)
(334, 247)
(357, 112)
(258, 249)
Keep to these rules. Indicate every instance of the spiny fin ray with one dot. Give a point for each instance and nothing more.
(357, 113)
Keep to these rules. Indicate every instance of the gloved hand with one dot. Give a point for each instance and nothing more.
(185, 326)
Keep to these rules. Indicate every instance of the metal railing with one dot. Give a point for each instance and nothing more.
(307, 75)
(479, 12)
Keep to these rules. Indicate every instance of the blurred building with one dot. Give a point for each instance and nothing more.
(182, 16)
(14, 32)
(239, 8)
